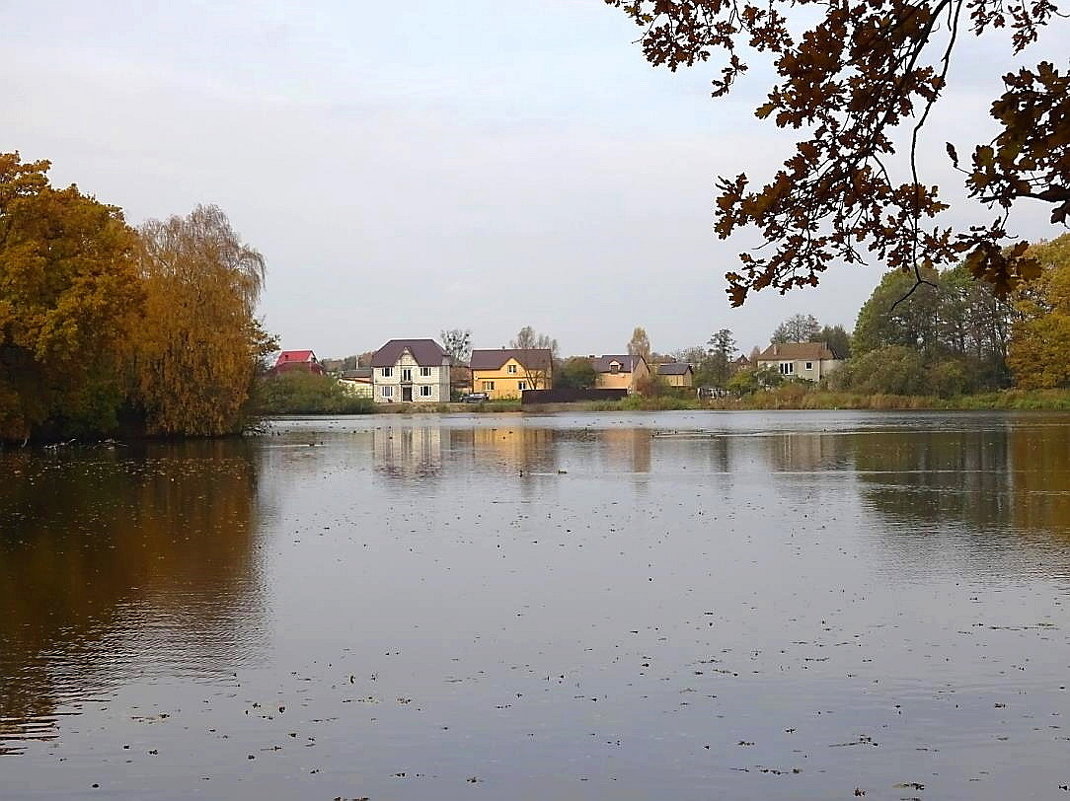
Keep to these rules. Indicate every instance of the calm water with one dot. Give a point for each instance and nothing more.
(759, 606)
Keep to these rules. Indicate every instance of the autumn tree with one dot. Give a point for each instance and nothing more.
(197, 354)
(458, 344)
(69, 295)
(851, 74)
(528, 338)
(1041, 337)
(639, 344)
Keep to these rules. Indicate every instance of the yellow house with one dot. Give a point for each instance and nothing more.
(507, 372)
(620, 372)
(677, 374)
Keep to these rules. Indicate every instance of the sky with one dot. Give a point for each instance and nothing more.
(413, 167)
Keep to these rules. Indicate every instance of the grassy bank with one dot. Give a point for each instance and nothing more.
(785, 398)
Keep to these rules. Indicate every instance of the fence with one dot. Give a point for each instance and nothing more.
(530, 396)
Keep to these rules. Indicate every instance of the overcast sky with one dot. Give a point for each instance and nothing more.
(409, 167)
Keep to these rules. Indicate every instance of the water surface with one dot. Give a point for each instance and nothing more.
(682, 605)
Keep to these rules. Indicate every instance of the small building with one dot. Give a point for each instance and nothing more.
(620, 372)
(509, 372)
(677, 374)
(411, 371)
(357, 383)
(808, 360)
(302, 361)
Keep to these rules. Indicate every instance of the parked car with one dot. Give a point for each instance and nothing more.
(475, 397)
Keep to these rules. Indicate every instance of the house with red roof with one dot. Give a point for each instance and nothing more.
(411, 371)
(303, 361)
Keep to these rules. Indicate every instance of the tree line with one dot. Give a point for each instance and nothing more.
(105, 327)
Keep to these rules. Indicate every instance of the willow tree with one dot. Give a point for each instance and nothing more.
(69, 293)
(200, 345)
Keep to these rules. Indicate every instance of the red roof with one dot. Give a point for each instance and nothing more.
(295, 356)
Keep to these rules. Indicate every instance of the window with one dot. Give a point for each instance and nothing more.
(809, 365)
(522, 385)
(488, 386)
(614, 367)
(406, 374)
(787, 368)
(511, 369)
(388, 392)
(425, 391)
(425, 372)
(388, 372)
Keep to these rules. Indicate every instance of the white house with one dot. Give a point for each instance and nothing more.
(411, 371)
(810, 360)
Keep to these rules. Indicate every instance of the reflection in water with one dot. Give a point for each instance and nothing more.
(118, 562)
(995, 486)
(408, 451)
(557, 606)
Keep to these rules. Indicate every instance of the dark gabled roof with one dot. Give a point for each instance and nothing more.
(359, 374)
(627, 364)
(674, 368)
(426, 352)
(529, 358)
(794, 351)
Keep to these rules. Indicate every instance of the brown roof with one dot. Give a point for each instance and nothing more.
(426, 352)
(627, 364)
(529, 358)
(674, 368)
(794, 351)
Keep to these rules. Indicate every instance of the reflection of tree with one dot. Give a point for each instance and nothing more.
(1041, 457)
(807, 451)
(408, 452)
(933, 475)
(102, 548)
(1005, 485)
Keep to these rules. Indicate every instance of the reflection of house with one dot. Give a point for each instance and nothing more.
(620, 372)
(406, 452)
(357, 382)
(809, 360)
(411, 371)
(297, 361)
(507, 372)
(516, 448)
(677, 374)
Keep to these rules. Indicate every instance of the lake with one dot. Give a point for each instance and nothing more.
(685, 605)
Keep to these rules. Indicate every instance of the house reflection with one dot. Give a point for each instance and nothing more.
(408, 452)
(515, 449)
(114, 561)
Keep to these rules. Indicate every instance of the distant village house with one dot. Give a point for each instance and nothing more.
(809, 360)
(411, 371)
(301, 361)
(508, 372)
(620, 372)
(677, 374)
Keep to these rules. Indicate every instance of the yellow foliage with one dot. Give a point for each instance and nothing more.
(196, 357)
(69, 294)
(1039, 352)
